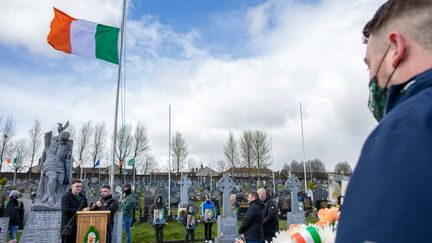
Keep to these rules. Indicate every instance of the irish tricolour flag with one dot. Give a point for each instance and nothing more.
(84, 38)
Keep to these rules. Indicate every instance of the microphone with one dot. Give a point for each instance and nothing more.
(94, 206)
(70, 221)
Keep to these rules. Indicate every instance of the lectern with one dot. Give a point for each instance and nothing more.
(87, 219)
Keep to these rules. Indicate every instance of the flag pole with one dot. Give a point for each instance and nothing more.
(304, 156)
(169, 159)
(117, 97)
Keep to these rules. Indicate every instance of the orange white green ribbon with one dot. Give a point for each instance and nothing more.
(308, 235)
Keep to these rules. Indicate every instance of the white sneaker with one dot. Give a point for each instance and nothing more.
(210, 241)
(206, 241)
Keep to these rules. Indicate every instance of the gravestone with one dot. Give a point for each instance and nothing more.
(42, 227)
(296, 216)
(227, 230)
(116, 236)
(185, 183)
(27, 203)
(4, 225)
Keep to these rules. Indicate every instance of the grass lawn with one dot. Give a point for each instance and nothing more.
(143, 233)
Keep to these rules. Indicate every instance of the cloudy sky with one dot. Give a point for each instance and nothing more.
(225, 65)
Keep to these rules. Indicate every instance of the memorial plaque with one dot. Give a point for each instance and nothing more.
(42, 227)
(4, 225)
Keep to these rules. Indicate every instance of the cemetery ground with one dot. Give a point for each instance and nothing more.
(174, 231)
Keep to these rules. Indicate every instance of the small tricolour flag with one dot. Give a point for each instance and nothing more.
(15, 161)
(97, 163)
(84, 38)
(8, 161)
(131, 162)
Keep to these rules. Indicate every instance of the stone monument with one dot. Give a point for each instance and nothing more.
(185, 183)
(43, 223)
(227, 229)
(296, 216)
(56, 169)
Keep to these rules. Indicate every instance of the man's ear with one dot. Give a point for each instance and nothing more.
(398, 49)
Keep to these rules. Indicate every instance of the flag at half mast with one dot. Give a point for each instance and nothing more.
(84, 38)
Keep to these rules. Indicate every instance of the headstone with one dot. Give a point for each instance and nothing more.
(42, 227)
(296, 216)
(185, 183)
(227, 230)
(27, 203)
(4, 225)
(116, 236)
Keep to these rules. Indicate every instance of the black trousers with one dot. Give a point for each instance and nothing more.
(190, 232)
(68, 238)
(159, 233)
(207, 230)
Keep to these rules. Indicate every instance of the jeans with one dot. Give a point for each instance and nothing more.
(190, 232)
(127, 222)
(208, 230)
(13, 231)
(159, 231)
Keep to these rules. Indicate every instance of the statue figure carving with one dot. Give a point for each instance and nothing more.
(55, 168)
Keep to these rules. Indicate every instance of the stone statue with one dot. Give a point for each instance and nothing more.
(55, 167)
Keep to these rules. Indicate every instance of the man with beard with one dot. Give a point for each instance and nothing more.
(107, 202)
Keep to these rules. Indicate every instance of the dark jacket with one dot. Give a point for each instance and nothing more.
(271, 220)
(190, 221)
(13, 209)
(108, 203)
(70, 204)
(252, 226)
(127, 205)
(395, 164)
(160, 207)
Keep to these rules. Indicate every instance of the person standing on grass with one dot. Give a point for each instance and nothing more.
(208, 214)
(158, 216)
(14, 209)
(190, 222)
(252, 225)
(126, 206)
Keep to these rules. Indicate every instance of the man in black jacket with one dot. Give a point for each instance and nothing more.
(106, 202)
(271, 220)
(252, 226)
(14, 209)
(71, 202)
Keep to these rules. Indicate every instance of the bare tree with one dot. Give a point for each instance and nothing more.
(343, 168)
(179, 151)
(21, 152)
(261, 149)
(35, 135)
(124, 145)
(191, 164)
(285, 171)
(246, 150)
(316, 167)
(148, 164)
(98, 143)
(230, 151)
(296, 167)
(84, 138)
(8, 131)
(140, 145)
(221, 165)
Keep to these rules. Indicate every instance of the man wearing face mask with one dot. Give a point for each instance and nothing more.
(208, 214)
(396, 160)
(127, 204)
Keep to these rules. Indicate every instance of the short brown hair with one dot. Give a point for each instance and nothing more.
(395, 9)
(255, 194)
(74, 181)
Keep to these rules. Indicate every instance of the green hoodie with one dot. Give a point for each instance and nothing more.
(127, 205)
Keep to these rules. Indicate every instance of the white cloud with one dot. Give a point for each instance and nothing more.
(303, 53)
